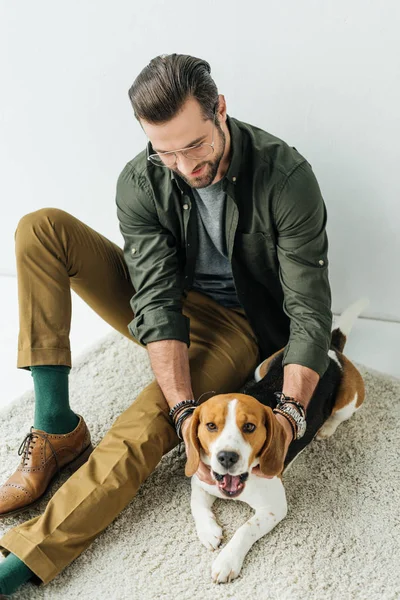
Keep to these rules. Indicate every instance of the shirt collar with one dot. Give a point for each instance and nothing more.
(232, 174)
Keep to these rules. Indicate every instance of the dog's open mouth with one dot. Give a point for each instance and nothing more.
(231, 485)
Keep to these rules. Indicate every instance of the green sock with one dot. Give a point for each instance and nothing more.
(52, 410)
(13, 573)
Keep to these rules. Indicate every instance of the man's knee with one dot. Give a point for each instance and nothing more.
(32, 222)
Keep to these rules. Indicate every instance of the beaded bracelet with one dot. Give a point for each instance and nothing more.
(292, 422)
(282, 399)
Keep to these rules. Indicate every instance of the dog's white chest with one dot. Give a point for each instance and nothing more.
(265, 496)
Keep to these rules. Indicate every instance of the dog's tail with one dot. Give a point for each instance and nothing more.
(344, 324)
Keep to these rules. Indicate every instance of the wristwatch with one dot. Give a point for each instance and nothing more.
(294, 413)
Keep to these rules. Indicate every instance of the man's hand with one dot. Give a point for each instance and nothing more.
(289, 436)
(204, 471)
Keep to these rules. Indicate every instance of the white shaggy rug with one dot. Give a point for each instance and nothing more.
(340, 539)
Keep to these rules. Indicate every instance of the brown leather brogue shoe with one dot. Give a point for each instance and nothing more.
(43, 457)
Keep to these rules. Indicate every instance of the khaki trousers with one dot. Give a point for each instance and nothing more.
(56, 252)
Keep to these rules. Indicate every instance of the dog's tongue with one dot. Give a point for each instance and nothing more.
(230, 483)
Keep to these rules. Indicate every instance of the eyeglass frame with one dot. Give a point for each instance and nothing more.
(181, 150)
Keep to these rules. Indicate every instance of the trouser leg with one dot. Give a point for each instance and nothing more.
(55, 252)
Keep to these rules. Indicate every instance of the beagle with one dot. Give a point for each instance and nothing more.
(232, 433)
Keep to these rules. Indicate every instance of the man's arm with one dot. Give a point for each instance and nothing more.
(299, 382)
(302, 248)
(150, 253)
(170, 363)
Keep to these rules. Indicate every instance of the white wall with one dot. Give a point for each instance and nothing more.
(324, 76)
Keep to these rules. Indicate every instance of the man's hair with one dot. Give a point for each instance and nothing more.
(162, 88)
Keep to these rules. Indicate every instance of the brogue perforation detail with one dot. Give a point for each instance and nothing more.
(66, 435)
(18, 487)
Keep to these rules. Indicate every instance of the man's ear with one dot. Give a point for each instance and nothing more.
(193, 447)
(272, 455)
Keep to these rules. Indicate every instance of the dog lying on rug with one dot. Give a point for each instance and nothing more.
(232, 433)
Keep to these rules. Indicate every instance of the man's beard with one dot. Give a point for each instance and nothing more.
(211, 168)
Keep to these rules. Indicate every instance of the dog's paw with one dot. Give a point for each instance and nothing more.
(226, 566)
(327, 429)
(210, 534)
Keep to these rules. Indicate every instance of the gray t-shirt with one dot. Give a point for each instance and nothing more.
(213, 273)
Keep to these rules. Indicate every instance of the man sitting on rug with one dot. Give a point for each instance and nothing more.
(224, 263)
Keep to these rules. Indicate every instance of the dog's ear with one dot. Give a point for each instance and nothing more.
(193, 448)
(272, 453)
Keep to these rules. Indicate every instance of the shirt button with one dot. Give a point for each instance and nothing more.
(233, 178)
(133, 250)
(186, 206)
(321, 262)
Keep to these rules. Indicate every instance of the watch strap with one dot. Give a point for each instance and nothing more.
(291, 411)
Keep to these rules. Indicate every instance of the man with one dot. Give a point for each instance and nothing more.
(225, 262)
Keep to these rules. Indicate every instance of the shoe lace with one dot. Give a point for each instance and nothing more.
(27, 443)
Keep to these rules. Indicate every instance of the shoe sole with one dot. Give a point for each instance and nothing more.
(72, 466)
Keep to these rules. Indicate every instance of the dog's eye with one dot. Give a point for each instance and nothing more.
(248, 427)
(211, 427)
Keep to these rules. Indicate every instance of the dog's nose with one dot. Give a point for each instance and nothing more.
(227, 459)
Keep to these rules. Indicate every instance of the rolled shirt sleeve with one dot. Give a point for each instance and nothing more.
(302, 250)
(150, 254)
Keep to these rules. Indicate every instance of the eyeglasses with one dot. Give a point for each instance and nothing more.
(168, 159)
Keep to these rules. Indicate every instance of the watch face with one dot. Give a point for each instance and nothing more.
(300, 420)
(294, 412)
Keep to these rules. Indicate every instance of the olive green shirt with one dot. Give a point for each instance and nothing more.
(276, 239)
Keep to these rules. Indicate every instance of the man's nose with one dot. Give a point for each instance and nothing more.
(227, 459)
(185, 165)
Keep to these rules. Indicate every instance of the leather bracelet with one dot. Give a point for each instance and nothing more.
(182, 417)
(175, 408)
(292, 422)
(184, 411)
(180, 410)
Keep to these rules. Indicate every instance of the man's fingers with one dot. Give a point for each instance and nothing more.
(257, 471)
